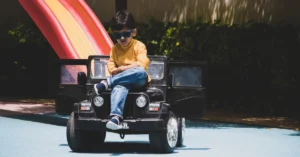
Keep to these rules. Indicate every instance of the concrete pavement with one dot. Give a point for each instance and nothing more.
(38, 112)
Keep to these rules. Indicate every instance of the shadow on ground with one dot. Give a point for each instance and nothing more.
(55, 119)
(49, 118)
(295, 134)
(132, 147)
(198, 124)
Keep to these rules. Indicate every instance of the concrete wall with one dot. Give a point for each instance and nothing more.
(12, 12)
(229, 11)
(104, 9)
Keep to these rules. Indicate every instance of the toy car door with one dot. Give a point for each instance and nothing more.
(69, 91)
(186, 91)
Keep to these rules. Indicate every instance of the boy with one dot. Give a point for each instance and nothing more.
(128, 66)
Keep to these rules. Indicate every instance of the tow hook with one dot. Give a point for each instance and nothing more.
(122, 135)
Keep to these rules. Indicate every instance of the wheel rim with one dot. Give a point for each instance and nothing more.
(183, 128)
(172, 132)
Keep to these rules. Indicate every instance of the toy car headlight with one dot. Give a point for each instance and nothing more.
(141, 101)
(98, 101)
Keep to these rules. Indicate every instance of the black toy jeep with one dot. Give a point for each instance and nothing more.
(176, 92)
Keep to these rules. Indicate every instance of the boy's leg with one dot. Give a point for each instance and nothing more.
(101, 87)
(135, 76)
(121, 84)
(118, 98)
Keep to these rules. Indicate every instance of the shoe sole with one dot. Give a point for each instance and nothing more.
(113, 126)
(96, 90)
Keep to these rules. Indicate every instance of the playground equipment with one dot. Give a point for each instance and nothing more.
(70, 26)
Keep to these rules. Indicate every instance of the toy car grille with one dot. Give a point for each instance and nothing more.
(131, 110)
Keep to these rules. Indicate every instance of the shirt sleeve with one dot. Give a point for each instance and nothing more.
(111, 64)
(141, 56)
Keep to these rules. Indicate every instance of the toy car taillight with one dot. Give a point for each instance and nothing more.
(154, 106)
(85, 106)
(141, 101)
(98, 101)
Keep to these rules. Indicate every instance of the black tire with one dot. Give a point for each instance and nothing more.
(82, 140)
(159, 140)
(181, 132)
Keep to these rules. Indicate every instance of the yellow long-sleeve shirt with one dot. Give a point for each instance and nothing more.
(134, 52)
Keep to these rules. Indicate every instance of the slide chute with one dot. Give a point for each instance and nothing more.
(70, 26)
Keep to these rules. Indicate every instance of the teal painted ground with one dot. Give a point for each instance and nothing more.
(23, 138)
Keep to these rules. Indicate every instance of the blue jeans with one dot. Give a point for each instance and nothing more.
(121, 84)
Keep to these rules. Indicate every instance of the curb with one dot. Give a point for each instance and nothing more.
(49, 118)
(244, 124)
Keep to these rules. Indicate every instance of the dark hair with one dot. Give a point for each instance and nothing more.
(121, 20)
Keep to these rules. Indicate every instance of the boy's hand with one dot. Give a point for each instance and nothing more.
(116, 71)
(123, 68)
(119, 70)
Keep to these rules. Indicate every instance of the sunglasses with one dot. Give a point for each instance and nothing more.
(125, 34)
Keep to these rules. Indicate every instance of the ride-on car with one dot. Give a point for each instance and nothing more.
(176, 92)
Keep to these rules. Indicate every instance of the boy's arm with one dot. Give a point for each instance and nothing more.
(142, 58)
(111, 65)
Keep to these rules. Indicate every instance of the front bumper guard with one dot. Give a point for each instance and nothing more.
(134, 125)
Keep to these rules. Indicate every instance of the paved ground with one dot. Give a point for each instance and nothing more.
(21, 138)
(36, 107)
(21, 135)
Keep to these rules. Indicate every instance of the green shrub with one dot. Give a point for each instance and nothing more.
(252, 66)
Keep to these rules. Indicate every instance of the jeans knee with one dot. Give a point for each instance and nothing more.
(120, 88)
(140, 71)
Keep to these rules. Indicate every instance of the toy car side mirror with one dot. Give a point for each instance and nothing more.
(81, 79)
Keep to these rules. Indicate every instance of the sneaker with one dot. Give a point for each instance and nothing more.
(101, 87)
(114, 123)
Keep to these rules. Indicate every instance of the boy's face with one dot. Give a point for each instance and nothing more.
(124, 36)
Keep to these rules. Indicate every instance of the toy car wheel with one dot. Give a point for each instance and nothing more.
(165, 141)
(181, 132)
(80, 140)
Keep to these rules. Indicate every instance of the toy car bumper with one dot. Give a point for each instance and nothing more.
(137, 125)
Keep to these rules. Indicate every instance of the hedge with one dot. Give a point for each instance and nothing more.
(252, 66)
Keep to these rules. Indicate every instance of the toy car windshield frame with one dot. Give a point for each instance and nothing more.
(157, 68)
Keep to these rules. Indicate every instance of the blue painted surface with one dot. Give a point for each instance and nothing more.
(23, 138)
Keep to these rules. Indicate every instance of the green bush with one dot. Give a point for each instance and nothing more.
(29, 58)
(251, 66)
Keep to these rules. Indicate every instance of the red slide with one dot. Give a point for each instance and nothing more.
(70, 26)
